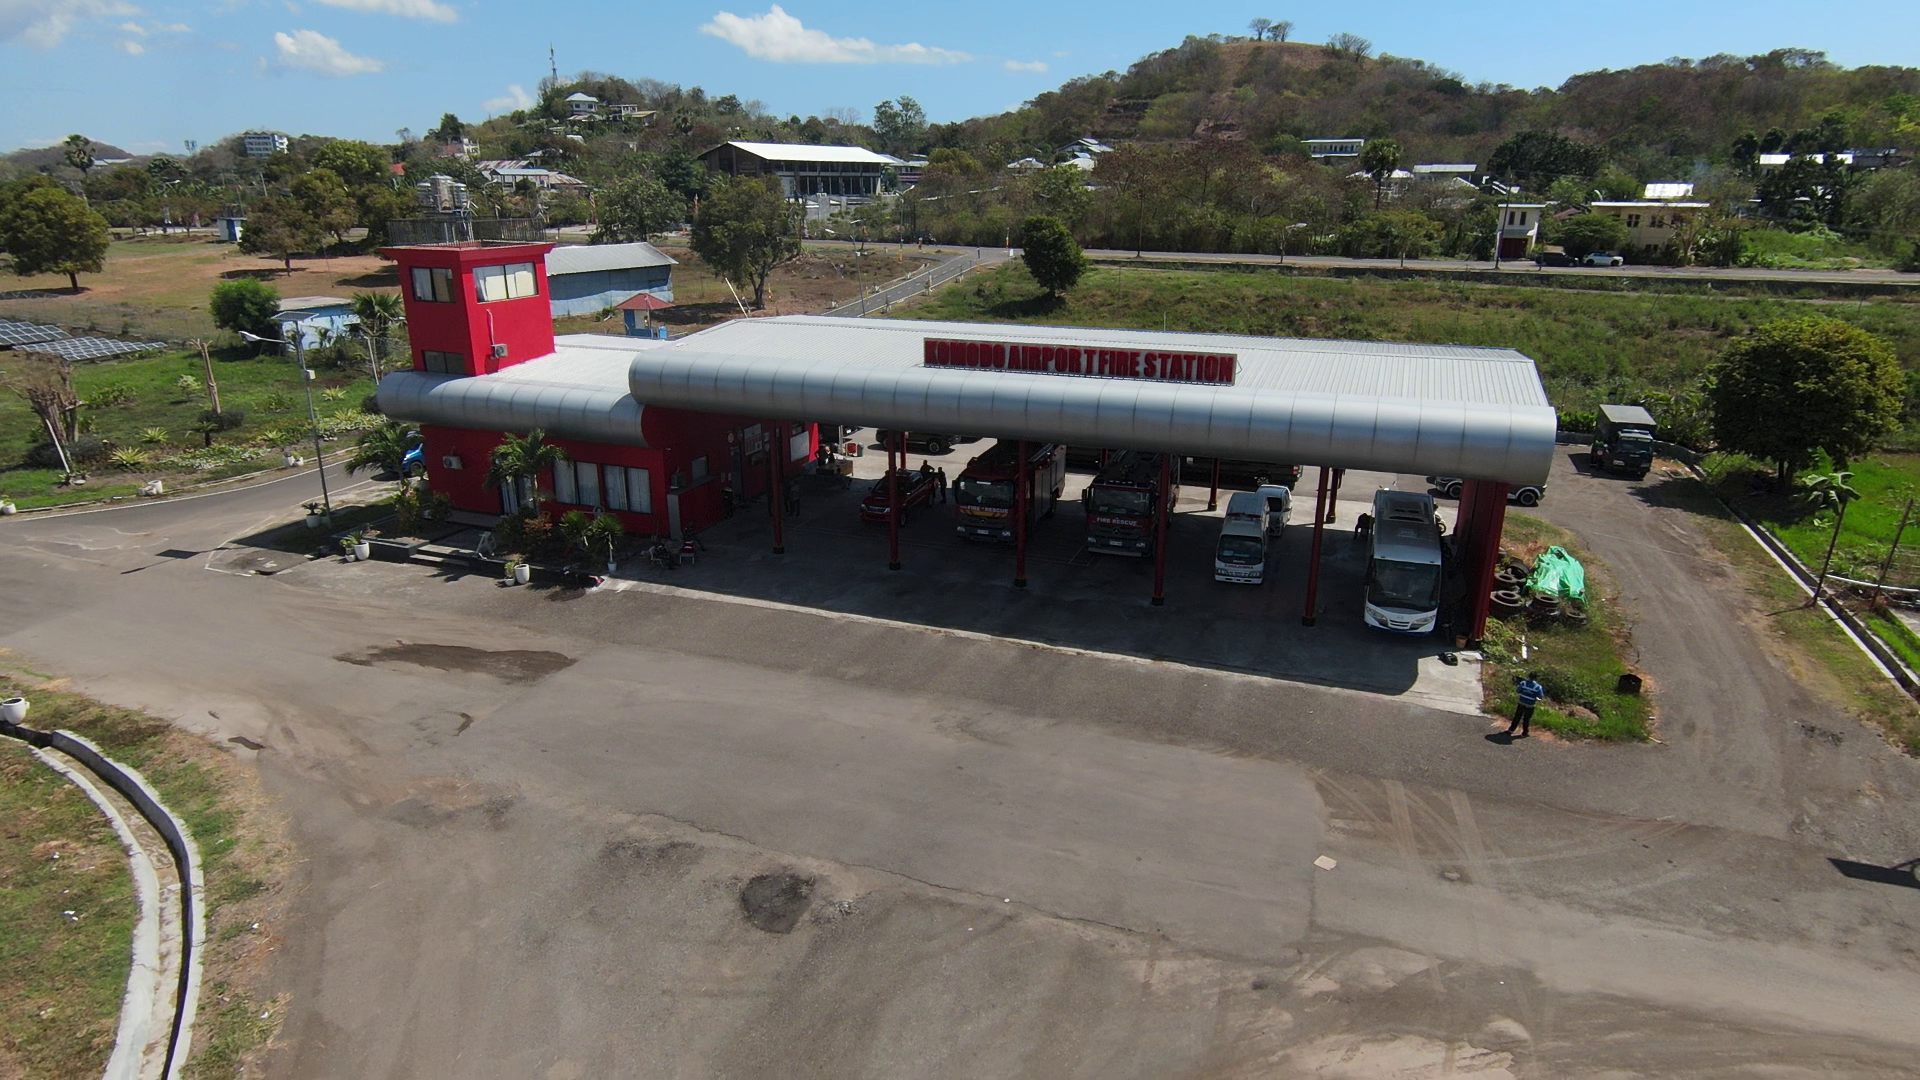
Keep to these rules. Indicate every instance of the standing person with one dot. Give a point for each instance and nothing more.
(940, 478)
(1528, 692)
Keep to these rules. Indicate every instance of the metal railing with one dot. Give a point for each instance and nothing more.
(881, 300)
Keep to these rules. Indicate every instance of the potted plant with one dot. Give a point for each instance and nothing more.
(13, 710)
(356, 546)
(518, 570)
(313, 515)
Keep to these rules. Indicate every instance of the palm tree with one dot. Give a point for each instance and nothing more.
(519, 460)
(384, 447)
(378, 313)
(1829, 491)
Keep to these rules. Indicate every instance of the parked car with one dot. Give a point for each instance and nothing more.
(926, 441)
(1553, 256)
(1524, 494)
(415, 462)
(916, 491)
(1603, 258)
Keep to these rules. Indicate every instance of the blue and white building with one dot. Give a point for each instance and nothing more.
(590, 278)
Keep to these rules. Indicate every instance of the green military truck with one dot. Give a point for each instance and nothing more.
(1623, 440)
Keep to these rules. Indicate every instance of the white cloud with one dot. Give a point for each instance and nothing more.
(406, 9)
(43, 23)
(310, 50)
(134, 28)
(1025, 65)
(132, 47)
(516, 97)
(779, 37)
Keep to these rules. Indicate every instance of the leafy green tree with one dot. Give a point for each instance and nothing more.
(1584, 234)
(280, 226)
(1806, 191)
(1378, 159)
(78, 152)
(384, 447)
(47, 231)
(1795, 386)
(1061, 192)
(635, 208)
(746, 228)
(900, 126)
(354, 162)
(1051, 255)
(1540, 157)
(449, 130)
(245, 304)
(519, 460)
(1829, 492)
(1136, 179)
(324, 198)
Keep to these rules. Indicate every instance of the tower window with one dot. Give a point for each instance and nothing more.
(433, 284)
(510, 282)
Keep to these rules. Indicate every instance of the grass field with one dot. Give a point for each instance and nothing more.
(245, 863)
(1579, 665)
(156, 288)
(154, 414)
(1884, 480)
(66, 900)
(1591, 346)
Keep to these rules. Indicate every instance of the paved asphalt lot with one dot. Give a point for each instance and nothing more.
(528, 815)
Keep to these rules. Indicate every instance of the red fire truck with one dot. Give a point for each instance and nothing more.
(1123, 501)
(983, 494)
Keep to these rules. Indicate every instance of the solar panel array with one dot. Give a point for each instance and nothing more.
(21, 333)
(92, 348)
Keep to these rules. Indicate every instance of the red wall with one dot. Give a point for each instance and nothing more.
(466, 326)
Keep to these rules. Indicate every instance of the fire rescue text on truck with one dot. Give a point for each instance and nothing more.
(986, 494)
(1126, 501)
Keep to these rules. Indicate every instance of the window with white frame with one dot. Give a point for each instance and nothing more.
(628, 489)
(433, 284)
(510, 282)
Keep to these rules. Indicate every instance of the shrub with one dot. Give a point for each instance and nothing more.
(154, 435)
(109, 396)
(187, 384)
(1570, 689)
(1579, 419)
(85, 450)
(334, 393)
(277, 401)
(228, 420)
(130, 458)
(245, 304)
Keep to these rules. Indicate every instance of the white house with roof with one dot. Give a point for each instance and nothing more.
(315, 320)
(258, 144)
(511, 171)
(1519, 228)
(1332, 149)
(803, 169)
(582, 106)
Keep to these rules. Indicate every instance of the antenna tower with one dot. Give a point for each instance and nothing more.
(553, 67)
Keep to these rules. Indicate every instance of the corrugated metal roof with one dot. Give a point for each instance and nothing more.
(771, 151)
(588, 258)
(1444, 409)
(313, 303)
(578, 392)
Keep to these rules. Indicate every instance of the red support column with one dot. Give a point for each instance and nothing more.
(893, 502)
(1333, 499)
(1313, 565)
(1213, 493)
(1483, 508)
(1020, 519)
(1160, 516)
(777, 492)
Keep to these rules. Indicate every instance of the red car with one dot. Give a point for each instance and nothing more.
(916, 491)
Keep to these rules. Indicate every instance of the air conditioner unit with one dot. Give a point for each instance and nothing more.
(450, 461)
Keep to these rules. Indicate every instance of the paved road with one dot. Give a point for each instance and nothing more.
(528, 816)
(1527, 267)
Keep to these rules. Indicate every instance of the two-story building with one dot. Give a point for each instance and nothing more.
(802, 169)
(1651, 223)
(1334, 149)
(1519, 228)
(259, 144)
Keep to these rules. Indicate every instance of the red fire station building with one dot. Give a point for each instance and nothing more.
(486, 363)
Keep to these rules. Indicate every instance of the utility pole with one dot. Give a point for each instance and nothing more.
(553, 66)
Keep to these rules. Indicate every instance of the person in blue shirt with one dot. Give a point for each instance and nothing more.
(1528, 692)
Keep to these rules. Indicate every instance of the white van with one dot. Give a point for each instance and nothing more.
(1279, 507)
(1240, 555)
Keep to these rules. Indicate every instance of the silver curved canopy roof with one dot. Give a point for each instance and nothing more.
(579, 392)
(1446, 410)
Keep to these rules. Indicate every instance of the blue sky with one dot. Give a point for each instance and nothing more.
(147, 74)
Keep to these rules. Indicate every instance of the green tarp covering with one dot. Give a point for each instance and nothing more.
(1557, 573)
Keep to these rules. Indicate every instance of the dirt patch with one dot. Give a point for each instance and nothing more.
(635, 856)
(508, 665)
(775, 902)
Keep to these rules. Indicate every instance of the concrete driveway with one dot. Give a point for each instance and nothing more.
(529, 815)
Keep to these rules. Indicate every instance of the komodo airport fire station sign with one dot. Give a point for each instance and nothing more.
(1182, 367)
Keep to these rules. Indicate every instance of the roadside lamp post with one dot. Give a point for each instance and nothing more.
(313, 418)
(1284, 233)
